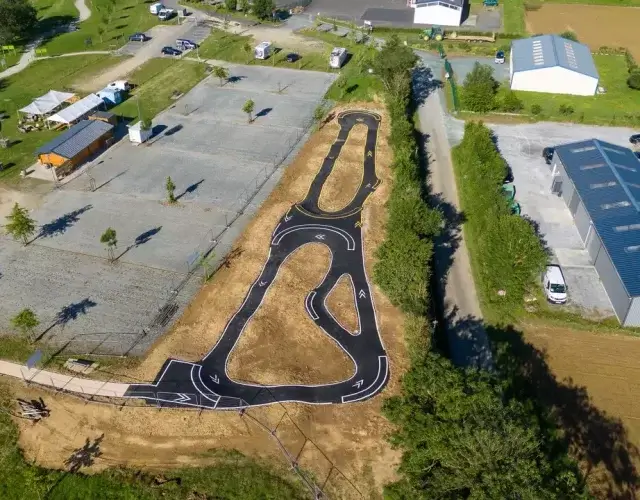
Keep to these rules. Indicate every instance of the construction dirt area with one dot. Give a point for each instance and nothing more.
(595, 25)
(592, 380)
(344, 447)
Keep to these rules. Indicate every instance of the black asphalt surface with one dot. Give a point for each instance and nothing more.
(206, 384)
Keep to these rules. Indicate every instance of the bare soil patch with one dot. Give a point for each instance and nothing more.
(344, 445)
(595, 25)
(595, 392)
(281, 344)
(341, 303)
(346, 176)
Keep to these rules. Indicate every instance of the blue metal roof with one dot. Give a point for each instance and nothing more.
(75, 139)
(607, 179)
(546, 51)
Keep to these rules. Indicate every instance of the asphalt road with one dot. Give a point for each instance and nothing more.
(206, 384)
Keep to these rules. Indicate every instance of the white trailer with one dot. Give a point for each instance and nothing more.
(262, 50)
(156, 8)
(338, 57)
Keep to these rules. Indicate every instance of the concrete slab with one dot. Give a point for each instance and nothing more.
(586, 293)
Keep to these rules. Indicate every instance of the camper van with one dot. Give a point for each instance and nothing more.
(262, 50)
(338, 57)
(156, 8)
(555, 288)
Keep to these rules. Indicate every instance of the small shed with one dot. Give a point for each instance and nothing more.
(111, 96)
(550, 63)
(439, 12)
(76, 144)
(104, 116)
(137, 134)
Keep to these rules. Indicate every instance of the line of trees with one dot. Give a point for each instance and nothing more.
(460, 435)
(508, 254)
(18, 18)
(480, 92)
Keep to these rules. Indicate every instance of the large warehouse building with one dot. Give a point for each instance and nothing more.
(550, 63)
(600, 182)
(439, 12)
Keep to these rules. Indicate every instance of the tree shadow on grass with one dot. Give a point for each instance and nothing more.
(599, 441)
(84, 456)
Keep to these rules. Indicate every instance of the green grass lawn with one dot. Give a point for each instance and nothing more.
(128, 17)
(229, 47)
(20, 89)
(56, 9)
(513, 16)
(157, 80)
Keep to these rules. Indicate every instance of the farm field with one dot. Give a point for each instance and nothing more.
(596, 396)
(619, 30)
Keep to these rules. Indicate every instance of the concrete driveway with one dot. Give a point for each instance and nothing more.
(463, 65)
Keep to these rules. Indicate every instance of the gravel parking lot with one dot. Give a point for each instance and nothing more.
(521, 146)
(222, 166)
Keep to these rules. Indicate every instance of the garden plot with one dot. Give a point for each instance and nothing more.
(219, 163)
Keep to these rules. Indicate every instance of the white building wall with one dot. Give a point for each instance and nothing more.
(437, 14)
(555, 80)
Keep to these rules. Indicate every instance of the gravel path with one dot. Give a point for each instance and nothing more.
(85, 12)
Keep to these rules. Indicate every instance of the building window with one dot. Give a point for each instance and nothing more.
(619, 204)
(631, 249)
(623, 229)
(582, 150)
(594, 165)
(603, 185)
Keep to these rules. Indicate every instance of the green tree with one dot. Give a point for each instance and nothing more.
(171, 188)
(320, 112)
(248, 108)
(263, 9)
(479, 90)
(569, 35)
(231, 4)
(393, 64)
(25, 321)
(110, 240)
(244, 6)
(20, 226)
(248, 50)
(18, 18)
(634, 80)
(536, 109)
(221, 73)
(101, 31)
(511, 103)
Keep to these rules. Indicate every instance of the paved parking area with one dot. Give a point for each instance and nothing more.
(521, 146)
(463, 65)
(218, 163)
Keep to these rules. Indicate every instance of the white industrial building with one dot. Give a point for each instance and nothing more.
(438, 12)
(550, 63)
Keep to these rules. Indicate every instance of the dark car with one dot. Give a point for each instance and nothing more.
(170, 51)
(508, 178)
(634, 139)
(292, 57)
(547, 154)
(138, 37)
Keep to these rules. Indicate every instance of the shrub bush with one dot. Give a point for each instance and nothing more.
(565, 109)
(634, 81)
(569, 35)
(511, 103)
(536, 109)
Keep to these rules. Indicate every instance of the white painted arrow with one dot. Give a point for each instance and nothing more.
(358, 384)
(362, 295)
(288, 217)
(320, 236)
(215, 379)
(263, 283)
(182, 398)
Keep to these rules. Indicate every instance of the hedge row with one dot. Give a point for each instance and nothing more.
(505, 249)
(403, 266)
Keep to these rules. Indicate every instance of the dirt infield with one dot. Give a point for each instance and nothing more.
(342, 445)
(341, 303)
(598, 382)
(595, 25)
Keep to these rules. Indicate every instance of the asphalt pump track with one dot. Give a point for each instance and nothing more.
(206, 384)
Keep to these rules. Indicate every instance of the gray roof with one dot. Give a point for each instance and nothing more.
(458, 3)
(607, 179)
(75, 139)
(547, 51)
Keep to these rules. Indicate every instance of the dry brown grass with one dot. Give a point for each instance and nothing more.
(346, 175)
(349, 440)
(282, 344)
(341, 303)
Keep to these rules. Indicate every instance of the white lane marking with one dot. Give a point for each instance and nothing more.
(215, 379)
(358, 384)
(362, 295)
(351, 244)
(309, 306)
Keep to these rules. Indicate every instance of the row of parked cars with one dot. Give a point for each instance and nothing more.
(182, 44)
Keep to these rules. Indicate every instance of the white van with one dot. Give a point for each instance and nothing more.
(338, 57)
(156, 8)
(262, 50)
(555, 288)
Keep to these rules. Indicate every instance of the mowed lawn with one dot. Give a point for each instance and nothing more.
(21, 88)
(229, 47)
(106, 29)
(156, 82)
(619, 106)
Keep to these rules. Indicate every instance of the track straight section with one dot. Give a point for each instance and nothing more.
(207, 384)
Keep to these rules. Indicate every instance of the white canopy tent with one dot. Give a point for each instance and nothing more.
(77, 109)
(47, 103)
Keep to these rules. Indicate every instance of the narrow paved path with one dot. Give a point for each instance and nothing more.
(468, 341)
(65, 382)
(85, 12)
(26, 58)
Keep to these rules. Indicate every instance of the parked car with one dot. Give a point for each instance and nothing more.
(555, 287)
(156, 8)
(635, 139)
(292, 57)
(138, 37)
(184, 44)
(166, 14)
(547, 154)
(120, 85)
(170, 51)
(508, 178)
(499, 57)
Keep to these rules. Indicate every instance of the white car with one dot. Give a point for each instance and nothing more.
(499, 57)
(555, 288)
